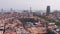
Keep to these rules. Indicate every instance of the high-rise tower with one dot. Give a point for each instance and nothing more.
(48, 10)
(11, 9)
(2, 10)
(30, 9)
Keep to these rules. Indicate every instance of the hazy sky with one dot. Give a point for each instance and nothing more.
(25, 4)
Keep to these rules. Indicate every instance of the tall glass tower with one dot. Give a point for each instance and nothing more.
(48, 10)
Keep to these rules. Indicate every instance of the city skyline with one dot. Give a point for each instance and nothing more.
(26, 4)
